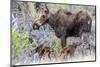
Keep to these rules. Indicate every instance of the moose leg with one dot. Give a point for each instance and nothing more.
(80, 33)
(63, 41)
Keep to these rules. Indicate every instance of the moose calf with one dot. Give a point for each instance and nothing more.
(44, 51)
(68, 50)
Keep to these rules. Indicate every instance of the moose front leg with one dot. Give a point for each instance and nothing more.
(63, 41)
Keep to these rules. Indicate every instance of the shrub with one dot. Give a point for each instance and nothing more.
(57, 46)
(19, 41)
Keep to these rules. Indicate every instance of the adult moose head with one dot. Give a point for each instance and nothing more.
(64, 23)
(43, 11)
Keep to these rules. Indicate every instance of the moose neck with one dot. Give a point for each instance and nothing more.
(52, 21)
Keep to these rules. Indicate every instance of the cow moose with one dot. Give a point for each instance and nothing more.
(65, 23)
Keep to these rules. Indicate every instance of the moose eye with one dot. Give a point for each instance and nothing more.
(46, 11)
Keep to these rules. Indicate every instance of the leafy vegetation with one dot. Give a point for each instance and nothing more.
(57, 46)
(77, 9)
(19, 42)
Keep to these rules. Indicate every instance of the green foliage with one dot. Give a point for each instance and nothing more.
(57, 46)
(15, 36)
(17, 49)
(77, 9)
(65, 7)
(19, 42)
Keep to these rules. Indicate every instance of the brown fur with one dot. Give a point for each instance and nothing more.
(68, 50)
(44, 51)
